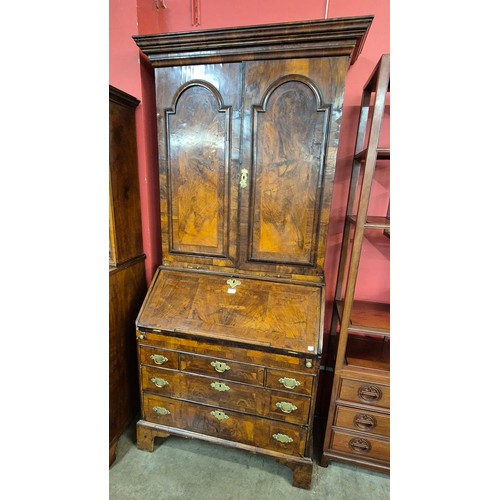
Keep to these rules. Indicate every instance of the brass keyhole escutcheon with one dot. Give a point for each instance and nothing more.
(244, 178)
(219, 386)
(233, 283)
(219, 415)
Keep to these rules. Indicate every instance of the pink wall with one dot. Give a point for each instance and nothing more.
(127, 72)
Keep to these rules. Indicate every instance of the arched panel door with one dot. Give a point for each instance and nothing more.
(285, 206)
(196, 142)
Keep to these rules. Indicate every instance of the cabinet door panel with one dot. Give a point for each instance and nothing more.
(197, 111)
(290, 111)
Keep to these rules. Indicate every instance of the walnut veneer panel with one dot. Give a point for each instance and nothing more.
(271, 314)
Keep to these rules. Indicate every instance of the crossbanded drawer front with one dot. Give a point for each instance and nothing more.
(227, 394)
(159, 357)
(226, 424)
(364, 421)
(223, 368)
(366, 393)
(360, 446)
(295, 383)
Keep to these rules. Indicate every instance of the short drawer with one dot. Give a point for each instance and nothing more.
(360, 446)
(297, 383)
(165, 382)
(368, 393)
(223, 368)
(154, 356)
(361, 420)
(225, 424)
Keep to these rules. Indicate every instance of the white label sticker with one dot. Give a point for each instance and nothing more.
(231, 290)
(310, 348)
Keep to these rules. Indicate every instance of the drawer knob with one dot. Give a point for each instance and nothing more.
(282, 438)
(159, 382)
(309, 363)
(289, 383)
(369, 393)
(219, 415)
(286, 407)
(365, 422)
(220, 366)
(219, 386)
(360, 445)
(158, 359)
(160, 410)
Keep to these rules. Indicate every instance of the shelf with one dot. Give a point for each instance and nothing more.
(370, 318)
(363, 352)
(382, 154)
(372, 222)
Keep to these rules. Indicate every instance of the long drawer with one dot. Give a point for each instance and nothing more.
(227, 394)
(358, 446)
(226, 424)
(362, 420)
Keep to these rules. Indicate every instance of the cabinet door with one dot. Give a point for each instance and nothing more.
(292, 110)
(198, 109)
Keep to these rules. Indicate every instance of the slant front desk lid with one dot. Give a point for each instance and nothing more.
(238, 309)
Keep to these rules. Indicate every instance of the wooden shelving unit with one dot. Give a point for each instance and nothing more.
(357, 429)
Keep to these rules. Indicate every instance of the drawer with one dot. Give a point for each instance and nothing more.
(368, 393)
(361, 420)
(298, 383)
(222, 368)
(226, 424)
(165, 382)
(158, 357)
(226, 394)
(360, 446)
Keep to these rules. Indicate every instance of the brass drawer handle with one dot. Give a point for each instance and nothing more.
(289, 383)
(365, 422)
(369, 393)
(360, 445)
(160, 410)
(219, 415)
(219, 386)
(158, 359)
(220, 366)
(286, 407)
(282, 438)
(159, 382)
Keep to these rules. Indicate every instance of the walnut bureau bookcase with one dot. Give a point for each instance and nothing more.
(358, 425)
(230, 333)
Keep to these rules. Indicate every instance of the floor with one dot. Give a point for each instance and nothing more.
(188, 468)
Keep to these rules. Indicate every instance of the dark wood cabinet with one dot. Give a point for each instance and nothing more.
(230, 333)
(358, 425)
(127, 281)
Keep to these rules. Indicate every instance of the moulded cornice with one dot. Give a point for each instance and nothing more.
(329, 37)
